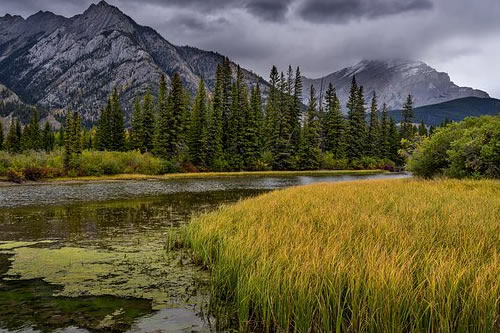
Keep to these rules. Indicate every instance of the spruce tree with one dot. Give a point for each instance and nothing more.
(117, 126)
(12, 143)
(394, 142)
(1, 136)
(60, 137)
(334, 125)
(137, 129)
(227, 92)
(407, 121)
(296, 111)
(252, 130)
(104, 128)
(19, 135)
(356, 127)
(198, 129)
(272, 107)
(310, 152)
(215, 136)
(177, 111)
(384, 142)
(373, 139)
(282, 148)
(48, 139)
(160, 140)
(148, 123)
(68, 139)
(76, 128)
(422, 130)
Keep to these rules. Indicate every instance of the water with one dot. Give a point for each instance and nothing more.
(98, 256)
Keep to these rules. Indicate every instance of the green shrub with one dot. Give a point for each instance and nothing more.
(470, 148)
(328, 162)
(34, 173)
(14, 176)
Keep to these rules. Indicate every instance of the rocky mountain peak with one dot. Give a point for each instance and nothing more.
(393, 80)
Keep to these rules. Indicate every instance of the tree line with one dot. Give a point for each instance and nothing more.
(231, 128)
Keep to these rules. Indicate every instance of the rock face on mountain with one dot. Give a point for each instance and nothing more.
(76, 62)
(393, 81)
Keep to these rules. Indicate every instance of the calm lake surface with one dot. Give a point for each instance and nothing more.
(98, 256)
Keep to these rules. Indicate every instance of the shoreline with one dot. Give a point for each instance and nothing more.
(200, 175)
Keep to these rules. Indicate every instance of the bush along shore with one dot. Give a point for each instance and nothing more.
(420, 256)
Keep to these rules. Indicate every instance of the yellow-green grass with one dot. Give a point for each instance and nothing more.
(367, 256)
(198, 175)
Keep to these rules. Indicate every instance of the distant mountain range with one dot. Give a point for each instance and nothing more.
(393, 81)
(59, 62)
(455, 110)
(55, 63)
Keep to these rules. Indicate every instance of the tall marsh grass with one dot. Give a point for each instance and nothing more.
(368, 256)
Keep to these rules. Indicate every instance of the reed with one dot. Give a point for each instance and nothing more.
(366, 256)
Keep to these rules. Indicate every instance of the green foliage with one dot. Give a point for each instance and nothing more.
(334, 125)
(198, 129)
(1, 136)
(311, 152)
(470, 148)
(356, 123)
(407, 121)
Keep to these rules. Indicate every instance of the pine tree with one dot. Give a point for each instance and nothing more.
(68, 139)
(384, 142)
(176, 126)
(76, 128)
(407, 121)
(117, 126)
(356, 127)
(272, 106)
(60, 137)
(104, 128)
(296, 111)
(334, 125)
(394, 142)
(422, 130)
(148, 123)
(252, 129)
(310, 152)
(373, 141)
(160, 140)
(1, 136)
(198, 129)
(227, 92)
(48, 139)
(12, 142)
(282, 148)
(215, 136)
(137, 129)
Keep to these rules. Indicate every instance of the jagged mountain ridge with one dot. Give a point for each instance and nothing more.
(393, 80)
(59, 62)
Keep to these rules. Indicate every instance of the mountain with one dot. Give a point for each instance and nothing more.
(393, 80)
(455, 110)
(58, 62)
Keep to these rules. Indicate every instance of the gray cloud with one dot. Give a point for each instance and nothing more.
(456, 36)
(340, 11)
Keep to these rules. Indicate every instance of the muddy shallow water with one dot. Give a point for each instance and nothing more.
(99, 257)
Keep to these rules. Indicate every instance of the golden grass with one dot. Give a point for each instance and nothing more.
(214, 175)
(366, 256)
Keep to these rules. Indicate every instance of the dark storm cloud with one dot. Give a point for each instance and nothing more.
(457, 36)
(340, 11)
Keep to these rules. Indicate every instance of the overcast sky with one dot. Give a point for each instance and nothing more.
(461, 37)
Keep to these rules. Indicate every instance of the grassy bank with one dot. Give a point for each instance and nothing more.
(368, 256)
(132, 165)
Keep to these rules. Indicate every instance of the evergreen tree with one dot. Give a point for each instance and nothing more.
(104, 128)
(148, 123)
(227, 92)
(282, 148)
(272, 106)
(384, 142)
(215, 136)
(1, 136)
(334, 125)
(310, 152)
(373, 142)
(296, 111)
(422, 130)
(356, 126)
(407, 121)
(198, 129)
(48, 139)
(68, 139)
(60, 137)
(252, 130)
(117, 126)
(76, 135)
(137, 129)
(160, 140)
(12, 142)
(177, 111)
(394, 142)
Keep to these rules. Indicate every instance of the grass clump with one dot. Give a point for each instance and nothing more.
(369, 256)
